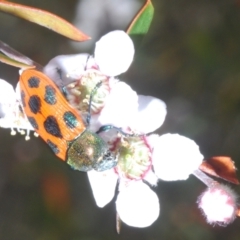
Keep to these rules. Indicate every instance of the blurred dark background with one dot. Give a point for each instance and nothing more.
(190, 59)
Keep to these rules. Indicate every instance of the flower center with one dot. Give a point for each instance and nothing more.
(80, 91)
(134, 159)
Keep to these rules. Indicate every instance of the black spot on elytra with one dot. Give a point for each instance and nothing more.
(34, 104)
(51, 126)
(53, 146)
(50, 95)
(33, 82)
(33, 122)
(70, 119)
(23, 98)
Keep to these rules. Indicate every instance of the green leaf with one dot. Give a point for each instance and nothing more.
(142, 21)
(44, 19)
(12, 62)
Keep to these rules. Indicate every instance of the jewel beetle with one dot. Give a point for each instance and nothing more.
(61, 126)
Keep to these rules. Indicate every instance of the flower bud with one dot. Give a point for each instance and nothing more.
(219, 204)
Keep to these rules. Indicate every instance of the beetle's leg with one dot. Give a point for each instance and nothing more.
(85, 68)
(106, 128)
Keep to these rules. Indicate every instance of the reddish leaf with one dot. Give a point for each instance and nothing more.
(44, 19)
(14, 63)
(220, 166)
(238, 212)
(15, 58)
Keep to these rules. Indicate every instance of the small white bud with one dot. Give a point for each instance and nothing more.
(219, 204)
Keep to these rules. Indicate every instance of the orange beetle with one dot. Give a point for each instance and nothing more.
(60, 125)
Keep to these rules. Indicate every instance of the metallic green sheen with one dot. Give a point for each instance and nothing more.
(89, 151)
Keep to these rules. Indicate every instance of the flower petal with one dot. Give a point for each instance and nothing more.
(65, 69)
(7, 97)
(151, 114)
(114, 53)
(120, 106)
(103, 186)
(137, 205)
(175, 157)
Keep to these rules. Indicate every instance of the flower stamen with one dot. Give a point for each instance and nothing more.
(79, 92)
(134, 159)
(13, 132)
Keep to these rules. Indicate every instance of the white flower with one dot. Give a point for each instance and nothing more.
(137, 205)
(134, 160)
(134, 164)
(129, 118)
(114, 103)
(11, 114)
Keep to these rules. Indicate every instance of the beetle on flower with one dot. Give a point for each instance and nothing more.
(142, 157)
(115, 103)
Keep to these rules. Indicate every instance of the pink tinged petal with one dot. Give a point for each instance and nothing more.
(120, 106)
(137, 205)
(65, 69)
(114, 53)
(219, 204)
(151, 114)
(103, 186)
(175, 157)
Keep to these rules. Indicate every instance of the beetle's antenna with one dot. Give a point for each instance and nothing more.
(88, 118)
